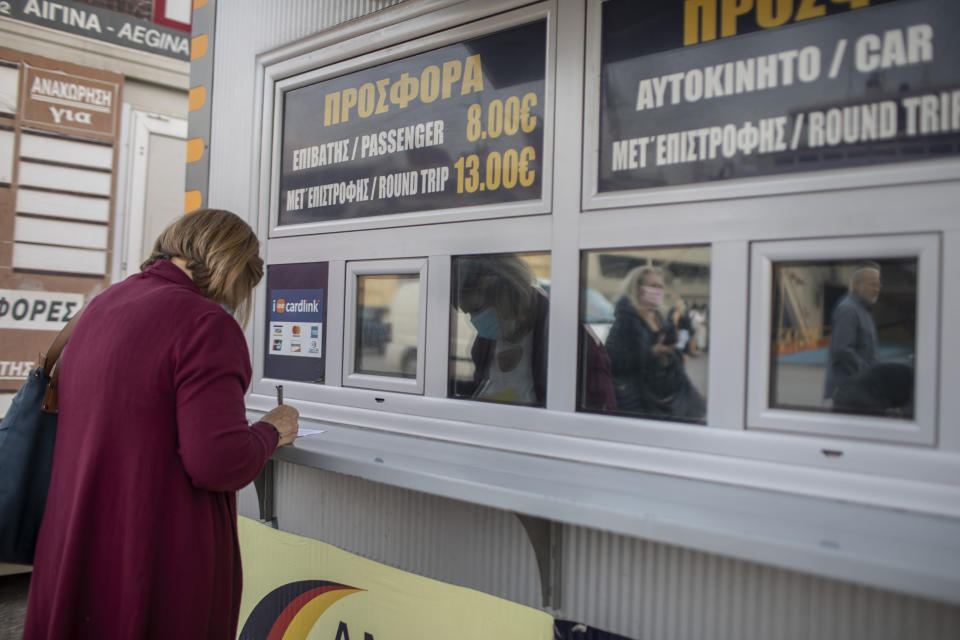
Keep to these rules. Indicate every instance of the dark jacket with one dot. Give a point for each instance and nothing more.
(853, 342)
(644, 383)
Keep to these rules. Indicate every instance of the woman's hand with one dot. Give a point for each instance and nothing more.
(660, 349)
(284, 420)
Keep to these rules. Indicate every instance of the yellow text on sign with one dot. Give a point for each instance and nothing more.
(701, 18)
(505, 117)
(434, 82)
(507, 170)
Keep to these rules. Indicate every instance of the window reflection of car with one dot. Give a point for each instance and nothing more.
(400, 347)
(597, 312)
(596, 309)
(400, 351)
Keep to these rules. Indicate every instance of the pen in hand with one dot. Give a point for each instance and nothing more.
(283, 418)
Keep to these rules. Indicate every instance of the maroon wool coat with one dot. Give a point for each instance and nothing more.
(139, 539)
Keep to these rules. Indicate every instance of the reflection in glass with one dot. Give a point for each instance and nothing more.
(844, 336)
(643, 317)
(498, 328)
(387, 322)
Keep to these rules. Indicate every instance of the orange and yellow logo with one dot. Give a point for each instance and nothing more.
(281, 305)
(290, 611)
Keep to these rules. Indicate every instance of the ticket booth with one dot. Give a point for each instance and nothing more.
(638, 313)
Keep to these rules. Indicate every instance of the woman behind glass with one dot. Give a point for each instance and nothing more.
(509, 312)
(648, 373)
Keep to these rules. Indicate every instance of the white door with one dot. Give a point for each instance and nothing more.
(157, 161)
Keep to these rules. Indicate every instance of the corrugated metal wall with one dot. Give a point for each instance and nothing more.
(453, 541)
(647, 591)
(639, 589)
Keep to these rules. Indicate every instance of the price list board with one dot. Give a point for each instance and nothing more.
(457, 126)
(708, 90)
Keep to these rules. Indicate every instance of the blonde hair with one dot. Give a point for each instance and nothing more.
(222, 254)
(636, 276)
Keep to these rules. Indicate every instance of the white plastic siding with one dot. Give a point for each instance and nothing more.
(636, 588)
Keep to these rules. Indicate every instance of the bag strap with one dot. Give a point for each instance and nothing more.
(50, 403)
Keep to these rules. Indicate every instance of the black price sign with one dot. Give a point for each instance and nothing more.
(453, 127)
(707, 90)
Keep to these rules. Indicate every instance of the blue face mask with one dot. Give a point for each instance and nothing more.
(226, 308)
(486, 323)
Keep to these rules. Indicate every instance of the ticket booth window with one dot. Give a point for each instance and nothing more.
(385, 325)
(843, 337)
(498, 328)
(644, 332)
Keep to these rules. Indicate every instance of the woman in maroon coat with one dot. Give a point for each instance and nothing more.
(139, 539)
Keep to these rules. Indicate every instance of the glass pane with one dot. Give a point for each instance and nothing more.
(388, 316)
(643, 332)
(498, 328)
(844, 336)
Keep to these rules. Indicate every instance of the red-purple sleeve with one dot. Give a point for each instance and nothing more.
(219, 449)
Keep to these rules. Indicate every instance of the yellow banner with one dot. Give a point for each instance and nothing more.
(296, 588)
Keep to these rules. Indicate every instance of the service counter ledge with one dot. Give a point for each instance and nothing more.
(887, 548)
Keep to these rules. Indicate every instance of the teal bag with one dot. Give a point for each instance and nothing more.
(26, 458)
(27, 434)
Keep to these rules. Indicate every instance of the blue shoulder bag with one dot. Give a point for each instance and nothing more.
(27, 433)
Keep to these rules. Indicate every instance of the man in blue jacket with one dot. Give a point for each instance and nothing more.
(853, 340)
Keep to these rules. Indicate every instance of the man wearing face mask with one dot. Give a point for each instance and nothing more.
(648, 373)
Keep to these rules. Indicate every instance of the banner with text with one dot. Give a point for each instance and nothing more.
(298, 588)
(166, 33)
(454, 127)
(712, 90)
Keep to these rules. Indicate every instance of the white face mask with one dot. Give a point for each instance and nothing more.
(652, 296)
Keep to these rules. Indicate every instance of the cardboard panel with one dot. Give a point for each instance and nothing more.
(58, 232)
(63, 205)
(64, 178)
(53, 149)
(59, 259)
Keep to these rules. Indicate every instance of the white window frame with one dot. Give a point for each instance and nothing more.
(329, 62)
(801, 182)
(354, 270)
(760, 415)
(911, 477)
